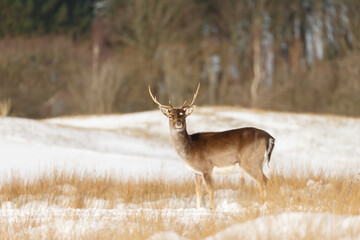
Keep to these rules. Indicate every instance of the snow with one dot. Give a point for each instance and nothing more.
(32, 147)
(300, 138)
(293, 225)
(138, 144)
(166, 235)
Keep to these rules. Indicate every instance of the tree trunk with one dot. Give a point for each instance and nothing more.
(256, 34)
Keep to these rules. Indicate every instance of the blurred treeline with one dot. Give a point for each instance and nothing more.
(62, 57)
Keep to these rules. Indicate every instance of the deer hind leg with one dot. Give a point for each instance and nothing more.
(261, 183)
(260, 179)
(209, 183)
(198, 189)
(242, 178)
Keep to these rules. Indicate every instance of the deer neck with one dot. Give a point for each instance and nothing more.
(181, 142)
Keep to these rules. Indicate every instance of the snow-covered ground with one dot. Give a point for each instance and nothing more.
(136, 144)
(131, 144)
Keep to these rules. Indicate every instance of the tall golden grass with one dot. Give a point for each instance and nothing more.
(152, 205)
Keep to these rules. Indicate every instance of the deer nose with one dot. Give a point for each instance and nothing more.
(178, 124)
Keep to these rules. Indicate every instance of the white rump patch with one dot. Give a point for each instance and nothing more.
(192, 169)
(221, 170)
(228, 169)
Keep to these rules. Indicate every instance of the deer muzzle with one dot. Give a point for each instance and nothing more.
(179, 126)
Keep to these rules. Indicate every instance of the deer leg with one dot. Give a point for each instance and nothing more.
(209, 183)
(242, 178)
(261, 182)
(260, 179)
(198, 189)
(261, 189)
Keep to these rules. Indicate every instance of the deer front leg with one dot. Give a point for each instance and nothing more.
(198, 189)
(209, 183)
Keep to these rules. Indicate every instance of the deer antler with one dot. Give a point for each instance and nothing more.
(170, 106)
(157, 102)
(192, 102)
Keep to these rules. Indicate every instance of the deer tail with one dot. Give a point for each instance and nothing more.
(270, 147)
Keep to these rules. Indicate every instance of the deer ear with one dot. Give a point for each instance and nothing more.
(189, 110)
(165, 111)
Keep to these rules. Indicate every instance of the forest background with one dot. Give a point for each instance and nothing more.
(66, 57)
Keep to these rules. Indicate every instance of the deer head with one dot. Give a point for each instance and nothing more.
(176, 115)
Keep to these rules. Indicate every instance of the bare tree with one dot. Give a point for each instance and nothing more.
(147, 24)
(256, 44)
(105, 84)
(211, 53)
(174, 64)
(163, 32)
(5, 107)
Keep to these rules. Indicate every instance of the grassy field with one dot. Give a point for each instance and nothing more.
(139, 208)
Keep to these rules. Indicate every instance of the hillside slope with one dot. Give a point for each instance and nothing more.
(140, 143)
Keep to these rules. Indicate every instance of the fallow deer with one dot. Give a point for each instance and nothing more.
(217, 152)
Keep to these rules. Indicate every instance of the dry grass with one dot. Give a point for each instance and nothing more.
(138, 208)
(135, 191)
